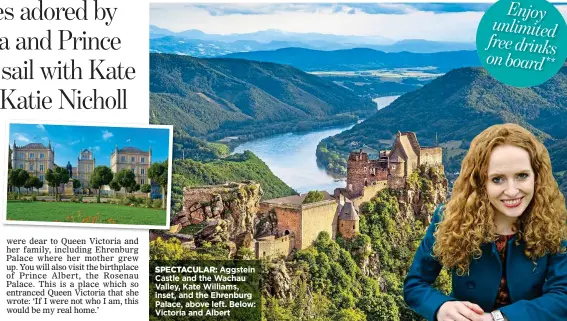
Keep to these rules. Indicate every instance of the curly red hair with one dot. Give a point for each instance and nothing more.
(468, 218)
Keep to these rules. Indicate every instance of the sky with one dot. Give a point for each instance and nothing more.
(68, 141)
(396, 21)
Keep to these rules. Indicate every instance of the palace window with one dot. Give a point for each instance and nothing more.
(123, 158)
(32, 155)
(142, 171)
(41, 168)
(132, 159)
(142, 182)
(41, 156)
(142, 160)
(31, 167)
(41, 178)
(21, 166)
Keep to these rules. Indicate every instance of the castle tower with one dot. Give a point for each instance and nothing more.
(349, 221)
(357, 172)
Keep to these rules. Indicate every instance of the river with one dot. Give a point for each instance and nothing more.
(292, 158)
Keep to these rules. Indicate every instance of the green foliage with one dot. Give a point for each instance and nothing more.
(33, 182)
(350, 315)
(333, 161)
(235, 168)
(333, 271)
(102, 175)
(216, 98)
(458, 106)
(158, 172)
(146, 188)
(379, 308)
(56, 177)
(76, 183)
(313, 197)
(126, 179)
(18, 178)
(114, 185)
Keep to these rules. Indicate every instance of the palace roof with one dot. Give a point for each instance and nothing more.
(34, 146)
(130, 149)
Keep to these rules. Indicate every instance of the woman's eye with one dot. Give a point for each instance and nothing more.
(523, 175)
(497, 180)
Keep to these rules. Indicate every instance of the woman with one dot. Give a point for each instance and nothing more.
(502, 235)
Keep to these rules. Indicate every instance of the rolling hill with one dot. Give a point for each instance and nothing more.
(216, 98)
(360, 59)
(455, 107)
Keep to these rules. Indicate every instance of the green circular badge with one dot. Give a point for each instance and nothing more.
(522, 43)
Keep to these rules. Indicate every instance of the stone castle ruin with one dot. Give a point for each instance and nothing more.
(365, 177)
(233, 213)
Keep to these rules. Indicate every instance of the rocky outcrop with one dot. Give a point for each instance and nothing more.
(278, 281)
(231, 208)
(425, 189)
(267, 224)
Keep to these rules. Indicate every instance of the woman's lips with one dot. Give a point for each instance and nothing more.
(512, 203)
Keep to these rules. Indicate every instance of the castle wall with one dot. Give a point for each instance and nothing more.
(317, 217)
(370, 192)
(289, 219)
(270, 247)
(431, 156)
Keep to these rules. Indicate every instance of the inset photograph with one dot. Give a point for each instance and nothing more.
(103, 175)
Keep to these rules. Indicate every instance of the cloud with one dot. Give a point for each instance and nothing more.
(40, 126)
(151, 141)
(96, 148)
(106, 135)
(75, 142)
(45, 138)
(128, 140)
(21, 138)
(336, 8)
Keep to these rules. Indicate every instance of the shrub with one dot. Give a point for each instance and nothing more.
(156, 204)
(33, 198)
(80, 199)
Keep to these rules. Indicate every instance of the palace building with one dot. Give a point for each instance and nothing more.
(86, 164)
(134, 159)
(35, 158)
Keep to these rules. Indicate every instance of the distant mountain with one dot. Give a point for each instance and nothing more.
(425, 46)
(211, 48)
(360, 59)
(455, 107)
(215, 98)
(275, 39)
(272, 35)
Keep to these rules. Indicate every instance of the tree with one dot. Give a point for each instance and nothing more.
(38, 184)
(133, 189)
(32, 182)
(10, 179)
(56, 177)
(76, 184)
(313, 196)
(102, 175)
(18, 178)
(158, 173)
(115, 186)
(9, 158)
(127, 179)
(146, 188)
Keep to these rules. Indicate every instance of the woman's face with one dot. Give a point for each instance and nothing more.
(511, 180)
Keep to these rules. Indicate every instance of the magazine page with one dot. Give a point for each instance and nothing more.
(283, 161)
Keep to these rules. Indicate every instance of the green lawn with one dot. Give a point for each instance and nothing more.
(60, 211)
